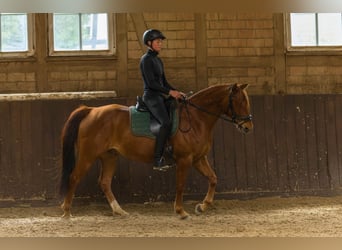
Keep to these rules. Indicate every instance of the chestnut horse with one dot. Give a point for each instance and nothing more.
(104, 133)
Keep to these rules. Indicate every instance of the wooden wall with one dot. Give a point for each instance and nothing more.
(295, 148)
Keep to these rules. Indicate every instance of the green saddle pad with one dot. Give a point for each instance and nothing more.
(140, 123)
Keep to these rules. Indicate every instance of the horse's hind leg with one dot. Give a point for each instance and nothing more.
(204, 168)
(80, 170)
(108, 161)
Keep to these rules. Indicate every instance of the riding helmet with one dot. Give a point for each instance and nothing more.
(152, 34)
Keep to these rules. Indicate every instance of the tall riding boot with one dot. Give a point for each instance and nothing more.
(159, 160)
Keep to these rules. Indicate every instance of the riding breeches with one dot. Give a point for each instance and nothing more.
(158, 108)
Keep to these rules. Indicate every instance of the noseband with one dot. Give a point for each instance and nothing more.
(238, 120)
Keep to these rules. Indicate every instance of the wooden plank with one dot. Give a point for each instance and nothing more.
(291, 109)
(323, 171)
(16, 152)
(331, 134)
(251, 169)
(218, 150)
(280, 120)
(140, 175)
(116, 185)
(270, 140)
(195, 183)
(260, 141)
(84, 95)
(240, 160)
(5, 150)
(338, 111)
(122, 174)
(229, 157)
(211, 156)
(170, 185)
(26, 169)
(311, 139)
(45, 173)
(300, 141)
(163, 184)
(53, 117)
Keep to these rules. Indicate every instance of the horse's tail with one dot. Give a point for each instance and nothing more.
(69, 138)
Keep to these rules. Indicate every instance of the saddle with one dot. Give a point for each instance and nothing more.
(144, 124)
(141, 106)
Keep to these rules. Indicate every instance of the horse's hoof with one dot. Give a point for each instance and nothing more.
(185, 216)
(66, 215)
(121, 213)
(198, 209)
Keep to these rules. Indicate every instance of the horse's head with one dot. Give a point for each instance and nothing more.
(239, 108)
(234, 107)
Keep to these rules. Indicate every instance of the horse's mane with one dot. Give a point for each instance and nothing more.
(210, 91)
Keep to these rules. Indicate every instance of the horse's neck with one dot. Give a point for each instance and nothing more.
(212, 102)
(213, 99)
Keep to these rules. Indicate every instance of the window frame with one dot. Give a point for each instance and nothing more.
(111, 41)
(306, 49)
(30, 41)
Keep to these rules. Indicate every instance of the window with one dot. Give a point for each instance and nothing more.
(320, 30)
(81, 34)
(15, 34)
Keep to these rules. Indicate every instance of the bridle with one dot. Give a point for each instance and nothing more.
(236, 119)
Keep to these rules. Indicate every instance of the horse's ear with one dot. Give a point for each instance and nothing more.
(243, 86)
(235, 87)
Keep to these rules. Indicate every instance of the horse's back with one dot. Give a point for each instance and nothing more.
(109, 109)
(101, 116)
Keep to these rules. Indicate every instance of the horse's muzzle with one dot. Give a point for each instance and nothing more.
(245, 127)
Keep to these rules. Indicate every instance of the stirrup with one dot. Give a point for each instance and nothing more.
(162, 165)
(163, 168)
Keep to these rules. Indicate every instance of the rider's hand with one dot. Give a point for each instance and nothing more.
(177, 94)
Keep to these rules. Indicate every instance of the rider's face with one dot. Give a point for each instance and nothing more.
(157, 44)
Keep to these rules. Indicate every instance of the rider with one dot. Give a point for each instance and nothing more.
(156, 91)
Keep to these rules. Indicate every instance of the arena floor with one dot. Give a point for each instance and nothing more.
(265, 217)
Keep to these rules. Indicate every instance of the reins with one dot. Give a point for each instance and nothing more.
(235, 119)
(185, 104)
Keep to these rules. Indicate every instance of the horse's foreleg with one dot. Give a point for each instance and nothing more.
(181, 175)
(204, 168)
(108, 161)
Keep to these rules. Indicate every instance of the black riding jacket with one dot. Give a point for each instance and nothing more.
(152, 70)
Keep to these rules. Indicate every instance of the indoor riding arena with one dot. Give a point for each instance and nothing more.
(283, 178)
